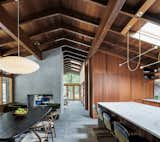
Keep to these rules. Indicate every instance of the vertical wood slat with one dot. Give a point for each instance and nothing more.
(10, 90)
(111, 83)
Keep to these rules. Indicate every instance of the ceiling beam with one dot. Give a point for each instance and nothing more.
(11, 41)
(75, 63)
(122, 47)
(55, 29)
(64, 13)
(110, 14)
(147, 17)
(68, 66)
(71, 47)
(84, 56)
(64, 42)
(70, 63)
(10, 27)
(73, 57)
(71, 71)
(78, 33)
(6, 1)
(147, 4)
(74, 41)
(117, 54)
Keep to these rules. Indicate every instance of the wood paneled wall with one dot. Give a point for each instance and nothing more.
(109, 82)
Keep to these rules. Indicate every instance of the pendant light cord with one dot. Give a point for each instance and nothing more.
(128, 58)
(18, 27)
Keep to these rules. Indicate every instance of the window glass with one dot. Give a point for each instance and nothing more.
(5, 90)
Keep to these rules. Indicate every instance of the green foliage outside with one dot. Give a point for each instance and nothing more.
(71, 78)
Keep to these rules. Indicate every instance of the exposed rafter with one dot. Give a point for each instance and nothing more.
(71, 63)
(63, 12)
(110, 14)
(73, 57)
(55, 29)
(83, 56)
(147, 4)
(6, 1)
(122, 47)
(53, 44)
(68, 66)
(10, 27)
(74, 41)
(74, 63)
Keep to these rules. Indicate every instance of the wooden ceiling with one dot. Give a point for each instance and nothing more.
(80, 27)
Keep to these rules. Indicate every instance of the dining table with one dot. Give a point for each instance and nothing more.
(142, 116)
(11, 126)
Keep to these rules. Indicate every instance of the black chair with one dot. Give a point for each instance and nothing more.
(122, 134)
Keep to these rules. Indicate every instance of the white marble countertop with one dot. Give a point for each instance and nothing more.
(152, 100)
(144, 116)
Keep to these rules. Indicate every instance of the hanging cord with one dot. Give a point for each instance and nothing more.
(18, 27)
(128, 58)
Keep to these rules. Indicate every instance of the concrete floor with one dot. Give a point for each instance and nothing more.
(75, 125)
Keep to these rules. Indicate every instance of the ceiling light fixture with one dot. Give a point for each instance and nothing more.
(18, 64)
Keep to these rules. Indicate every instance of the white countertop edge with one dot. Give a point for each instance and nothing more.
(147, 130)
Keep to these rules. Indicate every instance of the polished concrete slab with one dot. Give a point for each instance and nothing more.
(75, 125)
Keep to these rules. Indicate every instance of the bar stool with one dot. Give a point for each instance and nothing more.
(100, 113)
(108, 122)
(122, 134)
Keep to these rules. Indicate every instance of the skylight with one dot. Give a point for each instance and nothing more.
(149, 33)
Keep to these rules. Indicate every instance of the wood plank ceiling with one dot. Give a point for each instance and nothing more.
(80, 27)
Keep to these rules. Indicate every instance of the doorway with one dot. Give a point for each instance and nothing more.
(73, 91)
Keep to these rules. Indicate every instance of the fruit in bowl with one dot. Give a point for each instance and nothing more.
(21, 112)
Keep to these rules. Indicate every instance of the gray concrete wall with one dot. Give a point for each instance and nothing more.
(47, 80)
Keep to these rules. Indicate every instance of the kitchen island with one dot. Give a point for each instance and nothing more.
(144, 119)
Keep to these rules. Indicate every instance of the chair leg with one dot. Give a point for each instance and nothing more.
(52, 135)
(54, 131)
(39, 138)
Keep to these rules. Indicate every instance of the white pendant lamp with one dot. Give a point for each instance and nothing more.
(18, 64)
